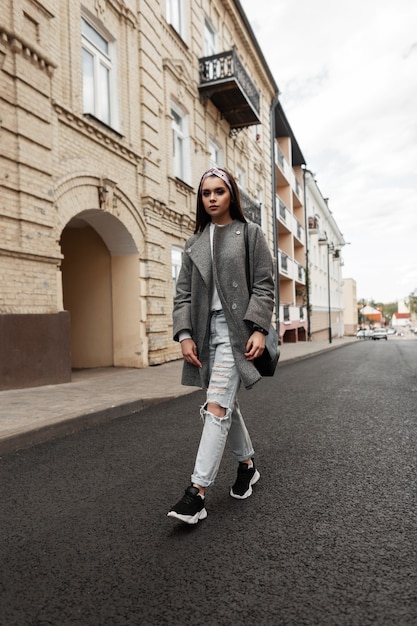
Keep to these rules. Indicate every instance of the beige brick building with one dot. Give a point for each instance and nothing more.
(110, 112)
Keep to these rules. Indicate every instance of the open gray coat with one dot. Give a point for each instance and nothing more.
(192, 303)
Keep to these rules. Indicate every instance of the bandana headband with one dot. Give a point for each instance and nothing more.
(220, 174)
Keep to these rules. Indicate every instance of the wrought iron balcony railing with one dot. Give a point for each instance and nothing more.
(224, 80)
(251, 209)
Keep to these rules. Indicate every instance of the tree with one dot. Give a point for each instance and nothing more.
(388, 311)
(412, 302)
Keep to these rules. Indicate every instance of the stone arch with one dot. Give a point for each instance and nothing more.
(102, 241)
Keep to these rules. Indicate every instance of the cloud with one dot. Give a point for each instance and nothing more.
(347, 73)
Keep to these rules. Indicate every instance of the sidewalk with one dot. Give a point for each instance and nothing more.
(37, 414)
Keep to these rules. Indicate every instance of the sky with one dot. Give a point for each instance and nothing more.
(347, 76)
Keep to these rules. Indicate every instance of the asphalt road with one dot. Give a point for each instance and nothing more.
(329, 536)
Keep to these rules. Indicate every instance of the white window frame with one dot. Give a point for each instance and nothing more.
(180, 143)
(102, 60)
(176, 262)
(256, 132)
(210, 39)
(259, 199)
(216, 153)
(241, 178)
(175, 16)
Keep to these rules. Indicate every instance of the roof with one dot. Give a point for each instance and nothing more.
(402, 316)
(283, 129)
(369, 310)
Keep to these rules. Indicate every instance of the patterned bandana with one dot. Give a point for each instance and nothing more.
(220, 174)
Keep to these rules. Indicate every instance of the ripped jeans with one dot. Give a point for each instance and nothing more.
(222, 390)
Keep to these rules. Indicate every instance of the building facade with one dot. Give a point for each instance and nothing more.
(324, 260)
(350, 307)
(111, 111)
(290, 232)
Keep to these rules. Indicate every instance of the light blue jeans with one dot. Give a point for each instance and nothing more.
(222, 390)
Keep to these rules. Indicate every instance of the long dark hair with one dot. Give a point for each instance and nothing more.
(236, 213)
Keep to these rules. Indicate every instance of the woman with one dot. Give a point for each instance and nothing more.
(222, 329)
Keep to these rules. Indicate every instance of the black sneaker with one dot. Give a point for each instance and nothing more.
(246, 477)
(190, 509)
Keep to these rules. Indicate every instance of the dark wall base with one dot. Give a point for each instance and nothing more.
(34, 350)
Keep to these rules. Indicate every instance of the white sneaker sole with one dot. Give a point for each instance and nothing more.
(189, 519)
(248, 493)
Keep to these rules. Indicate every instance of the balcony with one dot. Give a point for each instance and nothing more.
(292, 315)
(251, 209)
(290, 269)
(288, 223)
(224, 81)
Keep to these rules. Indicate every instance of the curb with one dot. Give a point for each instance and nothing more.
(301, 357)
(72, 425)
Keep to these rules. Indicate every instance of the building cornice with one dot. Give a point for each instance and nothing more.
(31, 256)
(19, 45)
(104, 137)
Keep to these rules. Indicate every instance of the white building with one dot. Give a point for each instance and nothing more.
(324, 265)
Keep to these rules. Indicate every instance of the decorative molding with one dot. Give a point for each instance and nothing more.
(182, 186)
(179, 71)
(124, 12)
(21, 46)
(100, 135)
(119, 7)
(42, 9)
(153, 208)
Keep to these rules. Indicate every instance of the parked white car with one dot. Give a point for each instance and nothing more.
(380, 333)
(364, 334)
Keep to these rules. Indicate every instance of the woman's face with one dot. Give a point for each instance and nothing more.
(216, 200)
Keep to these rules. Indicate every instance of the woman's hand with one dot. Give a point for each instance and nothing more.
(255, 345)
(189, 352)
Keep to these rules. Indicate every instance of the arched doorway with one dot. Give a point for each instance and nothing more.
(101, 291)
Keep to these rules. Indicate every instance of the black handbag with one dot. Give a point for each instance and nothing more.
(267, 363)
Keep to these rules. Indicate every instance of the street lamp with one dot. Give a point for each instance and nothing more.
(330, 248)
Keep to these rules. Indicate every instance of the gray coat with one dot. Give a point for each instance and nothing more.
(192, 303)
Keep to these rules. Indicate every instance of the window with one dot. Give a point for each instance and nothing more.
(259, 197)
(241, 178)
(256, 132)
(175, 15)
(98, 74)
(210, 46)
(216, 154)
(180, 144)
(176, 258)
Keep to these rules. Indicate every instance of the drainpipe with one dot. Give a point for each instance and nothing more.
(305, 170)
(274, 216)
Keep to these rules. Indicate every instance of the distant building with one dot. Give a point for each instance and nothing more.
(350, 305)
(401, 320)
(325, 243)
(369, 316)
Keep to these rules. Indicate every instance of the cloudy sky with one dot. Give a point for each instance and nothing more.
(347, 73)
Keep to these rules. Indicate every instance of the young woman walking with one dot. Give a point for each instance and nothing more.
(222, 328)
